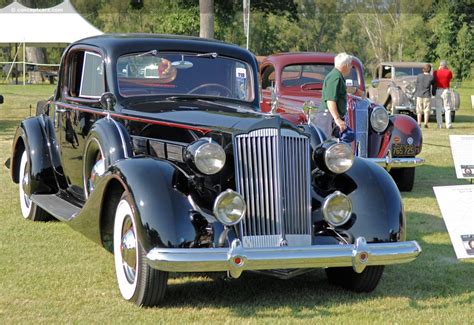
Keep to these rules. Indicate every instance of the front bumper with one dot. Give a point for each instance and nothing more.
(237, 259)
(390, 162)
(403, 108)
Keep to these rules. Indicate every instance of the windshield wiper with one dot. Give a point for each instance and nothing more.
(152, 52)
(191, 97)
(211, 55)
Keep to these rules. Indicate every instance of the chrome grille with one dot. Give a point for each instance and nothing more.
(361, 128)
(273, 176)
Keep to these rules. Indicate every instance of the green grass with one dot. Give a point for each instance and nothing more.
(49, 273)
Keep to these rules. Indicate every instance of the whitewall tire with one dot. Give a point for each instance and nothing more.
(137, 281)
(29, 210)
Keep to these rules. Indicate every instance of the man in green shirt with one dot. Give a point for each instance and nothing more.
(334, 90)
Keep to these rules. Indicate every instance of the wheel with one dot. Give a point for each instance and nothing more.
(219, 87)
(94, 165)
(347, 278)
(389, 106)
(137, 281)
(404, 178)
(29, 209)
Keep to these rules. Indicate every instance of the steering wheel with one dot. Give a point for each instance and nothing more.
(227, 93)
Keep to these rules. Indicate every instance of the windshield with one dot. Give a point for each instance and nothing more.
(403, 72)
(305, 74)
(173, 74)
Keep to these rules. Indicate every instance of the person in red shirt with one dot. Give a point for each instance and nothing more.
(442, 78)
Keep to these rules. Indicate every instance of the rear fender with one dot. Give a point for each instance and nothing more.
(111, 139)
(36, 136)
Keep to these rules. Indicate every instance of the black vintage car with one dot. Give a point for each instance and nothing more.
(155, 148)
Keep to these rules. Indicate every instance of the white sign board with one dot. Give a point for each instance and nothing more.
(457, 208)
(462, 149)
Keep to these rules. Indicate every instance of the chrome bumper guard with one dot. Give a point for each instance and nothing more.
(397, 162)
(410, 108)
(237, 259)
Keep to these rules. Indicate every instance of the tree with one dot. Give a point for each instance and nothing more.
(206, 13)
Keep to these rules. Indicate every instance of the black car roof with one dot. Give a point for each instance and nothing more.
(118, 44)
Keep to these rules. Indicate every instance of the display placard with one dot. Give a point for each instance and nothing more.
(462, 149)
(457, 208)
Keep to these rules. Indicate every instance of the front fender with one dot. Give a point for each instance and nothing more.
(406, 131)
(36, 136)
(376, 204)
(163, 213)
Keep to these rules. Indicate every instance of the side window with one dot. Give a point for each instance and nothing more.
(85, 75)
(92, 77)
(268, 77)
(386, 72)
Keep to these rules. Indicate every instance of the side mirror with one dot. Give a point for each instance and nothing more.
(375, 83)
(108, 101)
(1, 99)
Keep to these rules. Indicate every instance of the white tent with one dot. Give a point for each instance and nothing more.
(55, 26)
(61, 24)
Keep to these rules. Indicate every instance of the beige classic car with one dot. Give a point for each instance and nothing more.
(393, 86)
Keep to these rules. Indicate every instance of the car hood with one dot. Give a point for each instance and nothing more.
(203, 115)
(404, 80)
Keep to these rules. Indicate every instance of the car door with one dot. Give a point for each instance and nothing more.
(77, 110)
(386, 73)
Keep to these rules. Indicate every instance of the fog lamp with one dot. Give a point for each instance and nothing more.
(229, 207)
(337, 209)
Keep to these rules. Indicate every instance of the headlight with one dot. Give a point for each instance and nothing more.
(379, 119)
(334, 157)
(229, 207)
(206, 155)
(337, 209)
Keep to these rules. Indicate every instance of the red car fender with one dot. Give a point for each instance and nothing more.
(404, 130)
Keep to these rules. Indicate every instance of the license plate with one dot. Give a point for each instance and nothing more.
(403, 150)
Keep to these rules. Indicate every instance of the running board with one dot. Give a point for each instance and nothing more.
(57, 207)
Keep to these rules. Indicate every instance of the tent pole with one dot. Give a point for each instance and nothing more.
(24, 64)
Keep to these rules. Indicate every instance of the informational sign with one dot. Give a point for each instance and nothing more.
(462, 149)
(457, 208)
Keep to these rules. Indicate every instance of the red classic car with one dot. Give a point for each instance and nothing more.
(292, 82)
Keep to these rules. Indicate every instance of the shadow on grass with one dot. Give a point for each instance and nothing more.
(428, 176)
(435, 274)
(8, 127)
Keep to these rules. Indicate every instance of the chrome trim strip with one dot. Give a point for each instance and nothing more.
(237, 259)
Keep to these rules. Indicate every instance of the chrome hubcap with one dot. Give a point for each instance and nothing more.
(24, 185)
(128, 250)
(97, 171)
